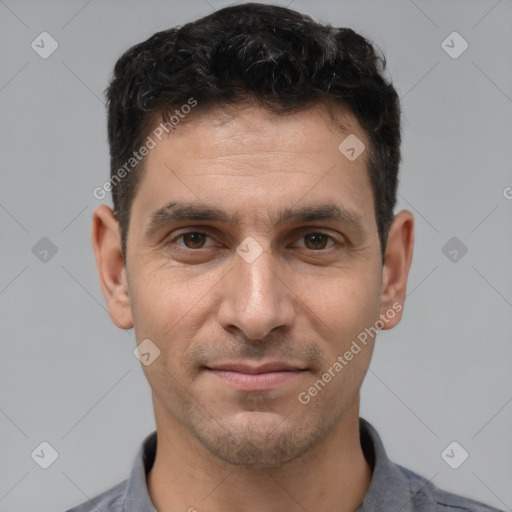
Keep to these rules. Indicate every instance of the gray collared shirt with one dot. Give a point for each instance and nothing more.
(393, 488)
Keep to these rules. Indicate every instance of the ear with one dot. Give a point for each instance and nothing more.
(106, 241)
(397, 261)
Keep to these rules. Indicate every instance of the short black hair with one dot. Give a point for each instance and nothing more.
(281, 59)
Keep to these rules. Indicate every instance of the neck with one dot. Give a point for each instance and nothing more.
(185, 476)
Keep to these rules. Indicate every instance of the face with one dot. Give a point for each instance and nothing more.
(253, 263)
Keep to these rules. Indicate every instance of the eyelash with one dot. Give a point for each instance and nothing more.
(336, 243)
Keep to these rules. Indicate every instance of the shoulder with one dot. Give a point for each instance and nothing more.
(108, 501)
(427, 497)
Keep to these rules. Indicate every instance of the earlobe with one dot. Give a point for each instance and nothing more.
(106, 241)
(398, 259)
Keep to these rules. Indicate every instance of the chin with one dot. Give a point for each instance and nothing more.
(259, 439)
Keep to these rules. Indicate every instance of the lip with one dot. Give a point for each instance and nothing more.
(271, 366)
(256, 378)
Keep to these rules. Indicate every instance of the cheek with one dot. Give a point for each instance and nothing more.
(161, 307)
(347, 308)
(344, 305)
(169, 306)
(162, 296)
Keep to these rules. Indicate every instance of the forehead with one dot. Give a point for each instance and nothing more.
(252, 128)
(243, 158)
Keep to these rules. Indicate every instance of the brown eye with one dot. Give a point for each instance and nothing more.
(316, 241)
(194, 240)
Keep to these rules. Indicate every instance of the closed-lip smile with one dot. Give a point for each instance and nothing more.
(247, 377)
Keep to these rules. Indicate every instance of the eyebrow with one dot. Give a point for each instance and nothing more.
(177, 212)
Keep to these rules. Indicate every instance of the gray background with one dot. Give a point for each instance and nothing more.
(69, 376)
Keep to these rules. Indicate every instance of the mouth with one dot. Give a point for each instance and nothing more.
(265, 377)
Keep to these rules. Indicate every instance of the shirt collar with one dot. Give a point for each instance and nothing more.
(389, 487)
(136, 498)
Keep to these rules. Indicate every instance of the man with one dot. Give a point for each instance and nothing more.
(254, 248)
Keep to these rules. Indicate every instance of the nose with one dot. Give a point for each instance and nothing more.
(255, 297)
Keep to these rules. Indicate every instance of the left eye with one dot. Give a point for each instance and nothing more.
(316, 241)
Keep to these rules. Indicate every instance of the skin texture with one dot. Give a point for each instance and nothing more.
(303, 300)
